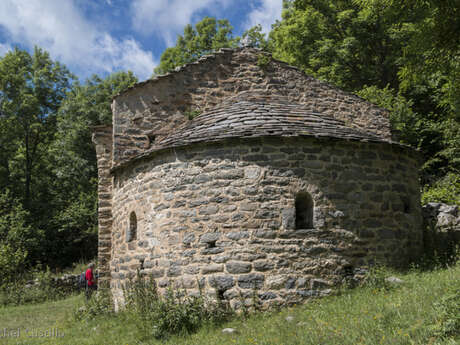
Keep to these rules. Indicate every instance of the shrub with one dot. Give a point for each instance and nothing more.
(263, 61)
(99, 304)
(376, 278)
(34, 287)
(445, 190)
(11, 263)
(176, 312)
(19, 242)
(191, 114)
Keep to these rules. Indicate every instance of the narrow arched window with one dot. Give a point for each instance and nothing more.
(303, 211)
(132, 230)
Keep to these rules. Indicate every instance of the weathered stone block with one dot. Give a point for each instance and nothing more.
(252, 172)
(237, 235)
(221, 259)
(202, 178)
(209, 210)
(307, 293)
(267, 295)
(276, 282)
(319, 283)
(251, 281)
(212, 268)
(237, 267)
(174, 271)
(209, 237)
(288, 218)
(156, 273)
(188, 238)
(211, 251)
(290, 283)
(221, 282)
(263, 265)
(265, 234)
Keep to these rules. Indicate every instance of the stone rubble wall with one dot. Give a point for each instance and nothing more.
(222, 216)
(441, 216)
(69, 282)
(152, 109)
(102, 137)
(442, 229)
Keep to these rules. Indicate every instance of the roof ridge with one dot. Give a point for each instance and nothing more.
(202, 58)
(158, 77)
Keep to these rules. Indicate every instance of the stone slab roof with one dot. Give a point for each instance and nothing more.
(242, 117)
(251, 116)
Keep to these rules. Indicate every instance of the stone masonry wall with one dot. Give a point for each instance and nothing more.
(102, 137)
(153, 108)
(223, 216)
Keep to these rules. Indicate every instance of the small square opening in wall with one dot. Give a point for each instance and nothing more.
(152, 138)
(303, 211)
(406, 205)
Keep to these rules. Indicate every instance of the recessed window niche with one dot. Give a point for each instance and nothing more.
(132, 229)
(303, 211)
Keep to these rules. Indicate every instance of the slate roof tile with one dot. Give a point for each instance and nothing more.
(250, 116)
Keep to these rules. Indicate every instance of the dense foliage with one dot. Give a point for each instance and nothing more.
(74, 186)
(402, 55)
(32, 88)
(207, 36)
(48, 173)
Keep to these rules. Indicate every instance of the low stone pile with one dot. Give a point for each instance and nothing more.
(441, 216)
(442, 230)
(69, 282)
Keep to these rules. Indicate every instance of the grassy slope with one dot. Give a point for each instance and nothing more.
(403, 315)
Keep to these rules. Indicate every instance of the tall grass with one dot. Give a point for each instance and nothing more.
(421, 310)
(175, 312)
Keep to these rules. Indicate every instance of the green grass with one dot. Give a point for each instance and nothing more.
(407, 314)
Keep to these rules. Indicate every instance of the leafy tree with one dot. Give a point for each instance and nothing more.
(254, 37)
(402, 55)
(445, 190)
(32, 88)
(85, 106)
(47, 159)
(349, 43)
(12, 262)
(74, 189)
(405, 122)
(208, 35)
(14, 227)
(19, 244)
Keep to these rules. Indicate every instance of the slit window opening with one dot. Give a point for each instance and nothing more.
(132, 231)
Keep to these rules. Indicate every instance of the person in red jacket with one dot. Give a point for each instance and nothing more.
(90, 281)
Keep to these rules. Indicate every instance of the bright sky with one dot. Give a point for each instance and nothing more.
(103, 36)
